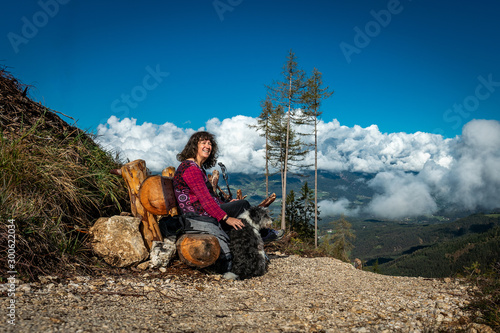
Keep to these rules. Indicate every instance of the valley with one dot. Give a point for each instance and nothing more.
(396, 247)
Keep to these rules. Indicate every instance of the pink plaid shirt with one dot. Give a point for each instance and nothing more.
(191, 191)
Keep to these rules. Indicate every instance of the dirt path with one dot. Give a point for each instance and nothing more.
(296, 295)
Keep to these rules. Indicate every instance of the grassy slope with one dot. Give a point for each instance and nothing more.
(55, 179)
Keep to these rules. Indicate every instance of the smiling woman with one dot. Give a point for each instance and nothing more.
(202, 209)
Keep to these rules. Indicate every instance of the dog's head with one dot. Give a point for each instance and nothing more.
(259, 217)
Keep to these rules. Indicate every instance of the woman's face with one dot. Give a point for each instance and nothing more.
(204, 150)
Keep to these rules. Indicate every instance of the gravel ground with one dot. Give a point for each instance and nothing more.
(296, 295)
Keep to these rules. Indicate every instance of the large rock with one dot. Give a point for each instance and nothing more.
(118, 241)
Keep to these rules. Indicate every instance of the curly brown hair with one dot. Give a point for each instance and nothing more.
(191, 149)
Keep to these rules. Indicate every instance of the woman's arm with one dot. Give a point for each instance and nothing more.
(193, 177)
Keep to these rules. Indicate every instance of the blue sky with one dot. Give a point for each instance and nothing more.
(405, 66)
(144, 75)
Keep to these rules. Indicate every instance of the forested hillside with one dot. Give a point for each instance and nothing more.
(450, 257)
(391, 239)
(430, 250)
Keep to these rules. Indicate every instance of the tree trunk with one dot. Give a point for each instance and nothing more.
(267, 158)
(315, 182)
(134, 173)
(198, 250)
(283, 203)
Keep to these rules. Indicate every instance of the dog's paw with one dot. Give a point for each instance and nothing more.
(230, 276)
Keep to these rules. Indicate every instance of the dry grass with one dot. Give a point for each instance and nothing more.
(54, 181)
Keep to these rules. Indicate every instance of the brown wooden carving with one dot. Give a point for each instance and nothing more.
(169, 172)
(239, 195)
(134, 173)
(214, 180)
(268, 201)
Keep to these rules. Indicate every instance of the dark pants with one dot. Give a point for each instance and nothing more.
(233, 209)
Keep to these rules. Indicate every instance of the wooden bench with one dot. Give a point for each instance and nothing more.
(152, 197)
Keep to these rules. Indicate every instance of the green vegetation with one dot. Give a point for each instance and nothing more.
(55, 182)
(339, 244)
(388, 240)
(300, 213)
(448, 258)
(485, 308)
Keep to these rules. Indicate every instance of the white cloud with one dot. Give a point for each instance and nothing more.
(401, 194)
(332, 208)
(413, 169)
(241, 149)
(468, 178)
(158, 145)
(368, 150)
(474, 176)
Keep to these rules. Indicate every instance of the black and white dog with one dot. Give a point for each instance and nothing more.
(246, 245)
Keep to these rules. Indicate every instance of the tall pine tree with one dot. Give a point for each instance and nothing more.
(312, 98)
(342, 239)
(292, 211)
(287, 93)
(306, 211)
(263, 126)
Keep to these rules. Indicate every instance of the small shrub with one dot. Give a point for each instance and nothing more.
(487, 297)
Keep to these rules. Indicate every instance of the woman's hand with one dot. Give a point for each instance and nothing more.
(235, 223)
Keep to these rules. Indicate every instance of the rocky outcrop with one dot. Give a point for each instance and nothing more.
(118, 241)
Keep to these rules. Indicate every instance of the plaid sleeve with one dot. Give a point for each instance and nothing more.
(193, 177)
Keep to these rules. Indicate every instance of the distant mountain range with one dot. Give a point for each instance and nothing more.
(331, 186)
(352, 186)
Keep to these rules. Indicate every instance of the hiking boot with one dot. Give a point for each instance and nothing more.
(279, 234)
(273, 235)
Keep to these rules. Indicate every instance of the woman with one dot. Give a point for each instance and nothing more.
(202, 209)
